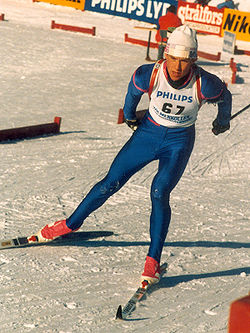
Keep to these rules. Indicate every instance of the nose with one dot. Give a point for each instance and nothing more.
(178, 65)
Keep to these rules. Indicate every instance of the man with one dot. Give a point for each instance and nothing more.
(166, 21)
(178, 88)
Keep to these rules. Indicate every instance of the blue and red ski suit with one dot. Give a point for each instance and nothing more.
(151, 141)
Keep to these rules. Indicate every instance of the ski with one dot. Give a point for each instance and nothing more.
(17, 242)
(67, 239)
(123, 313)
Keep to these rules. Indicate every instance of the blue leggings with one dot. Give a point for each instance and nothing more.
(172, 147)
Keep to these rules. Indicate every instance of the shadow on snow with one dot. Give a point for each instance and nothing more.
(172, 281)
(81, 238)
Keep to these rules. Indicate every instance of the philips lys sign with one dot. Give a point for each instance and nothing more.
(141, 10)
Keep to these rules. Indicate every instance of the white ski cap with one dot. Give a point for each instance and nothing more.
(182, 43)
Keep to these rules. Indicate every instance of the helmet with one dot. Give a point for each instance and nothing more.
(182, 43)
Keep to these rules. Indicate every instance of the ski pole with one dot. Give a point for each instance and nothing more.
(148, 46)
(237, 113)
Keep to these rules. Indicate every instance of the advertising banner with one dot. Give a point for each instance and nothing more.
(140, 10)
(238, 23)
(228, 42)
(78, 4)
(203, 19)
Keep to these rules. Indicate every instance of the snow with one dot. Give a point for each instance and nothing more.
(76, 285)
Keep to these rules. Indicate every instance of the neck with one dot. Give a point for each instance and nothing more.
(178, 83)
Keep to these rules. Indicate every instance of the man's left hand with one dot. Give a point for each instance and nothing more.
(217, 128)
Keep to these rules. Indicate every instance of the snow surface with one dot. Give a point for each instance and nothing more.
(76, 285)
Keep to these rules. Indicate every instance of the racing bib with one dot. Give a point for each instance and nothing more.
(172, 107)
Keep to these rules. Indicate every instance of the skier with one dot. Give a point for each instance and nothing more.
(177, 89)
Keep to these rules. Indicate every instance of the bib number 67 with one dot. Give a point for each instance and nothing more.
(168, 107)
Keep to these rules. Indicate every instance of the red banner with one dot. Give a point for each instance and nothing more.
(205, 19)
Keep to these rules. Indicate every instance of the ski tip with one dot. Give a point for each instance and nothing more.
(119, 313)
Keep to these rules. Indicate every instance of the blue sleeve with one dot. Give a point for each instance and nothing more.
(226, 4)
(221, 5)
(224, 107)
(213, 90)
(138, 85)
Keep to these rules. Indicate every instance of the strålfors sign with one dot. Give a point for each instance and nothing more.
(204, 19)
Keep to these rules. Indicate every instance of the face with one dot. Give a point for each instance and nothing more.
(178, 67)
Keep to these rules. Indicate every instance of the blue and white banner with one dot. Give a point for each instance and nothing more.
(140, 10)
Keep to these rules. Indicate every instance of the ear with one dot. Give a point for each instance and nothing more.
(166, 56)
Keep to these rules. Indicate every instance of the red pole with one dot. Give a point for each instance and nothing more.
(120, 117)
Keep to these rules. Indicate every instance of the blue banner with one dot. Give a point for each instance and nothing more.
(140, 10)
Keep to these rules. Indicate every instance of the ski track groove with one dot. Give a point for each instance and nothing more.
(220, 156)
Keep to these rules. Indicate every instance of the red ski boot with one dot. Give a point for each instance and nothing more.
(50, 232)
(151, 271)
